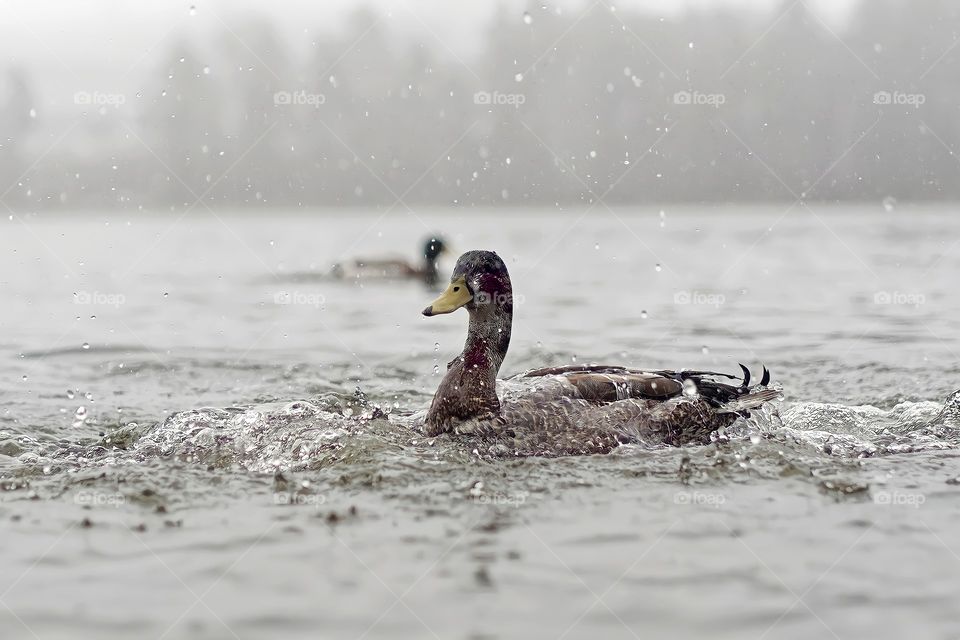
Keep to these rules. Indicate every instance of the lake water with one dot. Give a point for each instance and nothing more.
(184, 452)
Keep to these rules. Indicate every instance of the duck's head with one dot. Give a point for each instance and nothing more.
(433, 248)
(480, 283)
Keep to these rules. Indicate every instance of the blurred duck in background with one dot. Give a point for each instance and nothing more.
(396, 268)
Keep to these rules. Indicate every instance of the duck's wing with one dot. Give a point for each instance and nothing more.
(586, 409)
(604, 383)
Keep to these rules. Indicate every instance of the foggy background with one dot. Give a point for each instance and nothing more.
(109, 105)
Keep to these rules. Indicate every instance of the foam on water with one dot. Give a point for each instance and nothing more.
(339, 431)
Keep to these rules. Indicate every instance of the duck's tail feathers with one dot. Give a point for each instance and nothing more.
(749, 401)
(726, 397)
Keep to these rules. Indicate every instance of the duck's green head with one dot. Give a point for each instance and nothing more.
(479, 279)
(433, 248)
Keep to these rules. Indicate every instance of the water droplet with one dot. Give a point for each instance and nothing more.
(166, 295)
(85, 346)
(518, 77)
(436, 369)
(88, 396)
(596, 246)
(573, 358)
(33, 113)
(527, 18)
(70, 394)
(690, 45)
(193, 10)
(658, 268)
(206, 71)
(24, 378)
(436, 346)
(643, 315)
(889, 204)
(705, 350)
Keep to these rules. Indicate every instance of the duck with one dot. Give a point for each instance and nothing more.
(569, 409)
(397, 268)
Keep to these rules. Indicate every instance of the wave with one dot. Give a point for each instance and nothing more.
(339, 429)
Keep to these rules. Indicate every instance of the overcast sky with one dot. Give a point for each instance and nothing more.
(97, 35)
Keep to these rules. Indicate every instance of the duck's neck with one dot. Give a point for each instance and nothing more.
(431, 274)
(469, 388)
(488, 338)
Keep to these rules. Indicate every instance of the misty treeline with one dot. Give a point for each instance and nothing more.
(557, 109)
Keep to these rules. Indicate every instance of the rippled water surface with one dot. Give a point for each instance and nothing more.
(182, 456)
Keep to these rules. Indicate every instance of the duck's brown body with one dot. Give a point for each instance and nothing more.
(395, 268)
(564, 410)
(576, 411)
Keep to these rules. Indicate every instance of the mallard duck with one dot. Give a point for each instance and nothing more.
(566, 410)
(396, 268)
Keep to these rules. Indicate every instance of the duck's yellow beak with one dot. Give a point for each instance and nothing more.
(456, 295)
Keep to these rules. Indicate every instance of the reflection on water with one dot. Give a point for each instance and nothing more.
(255, 462)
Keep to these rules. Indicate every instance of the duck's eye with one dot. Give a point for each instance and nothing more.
(455, 289)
